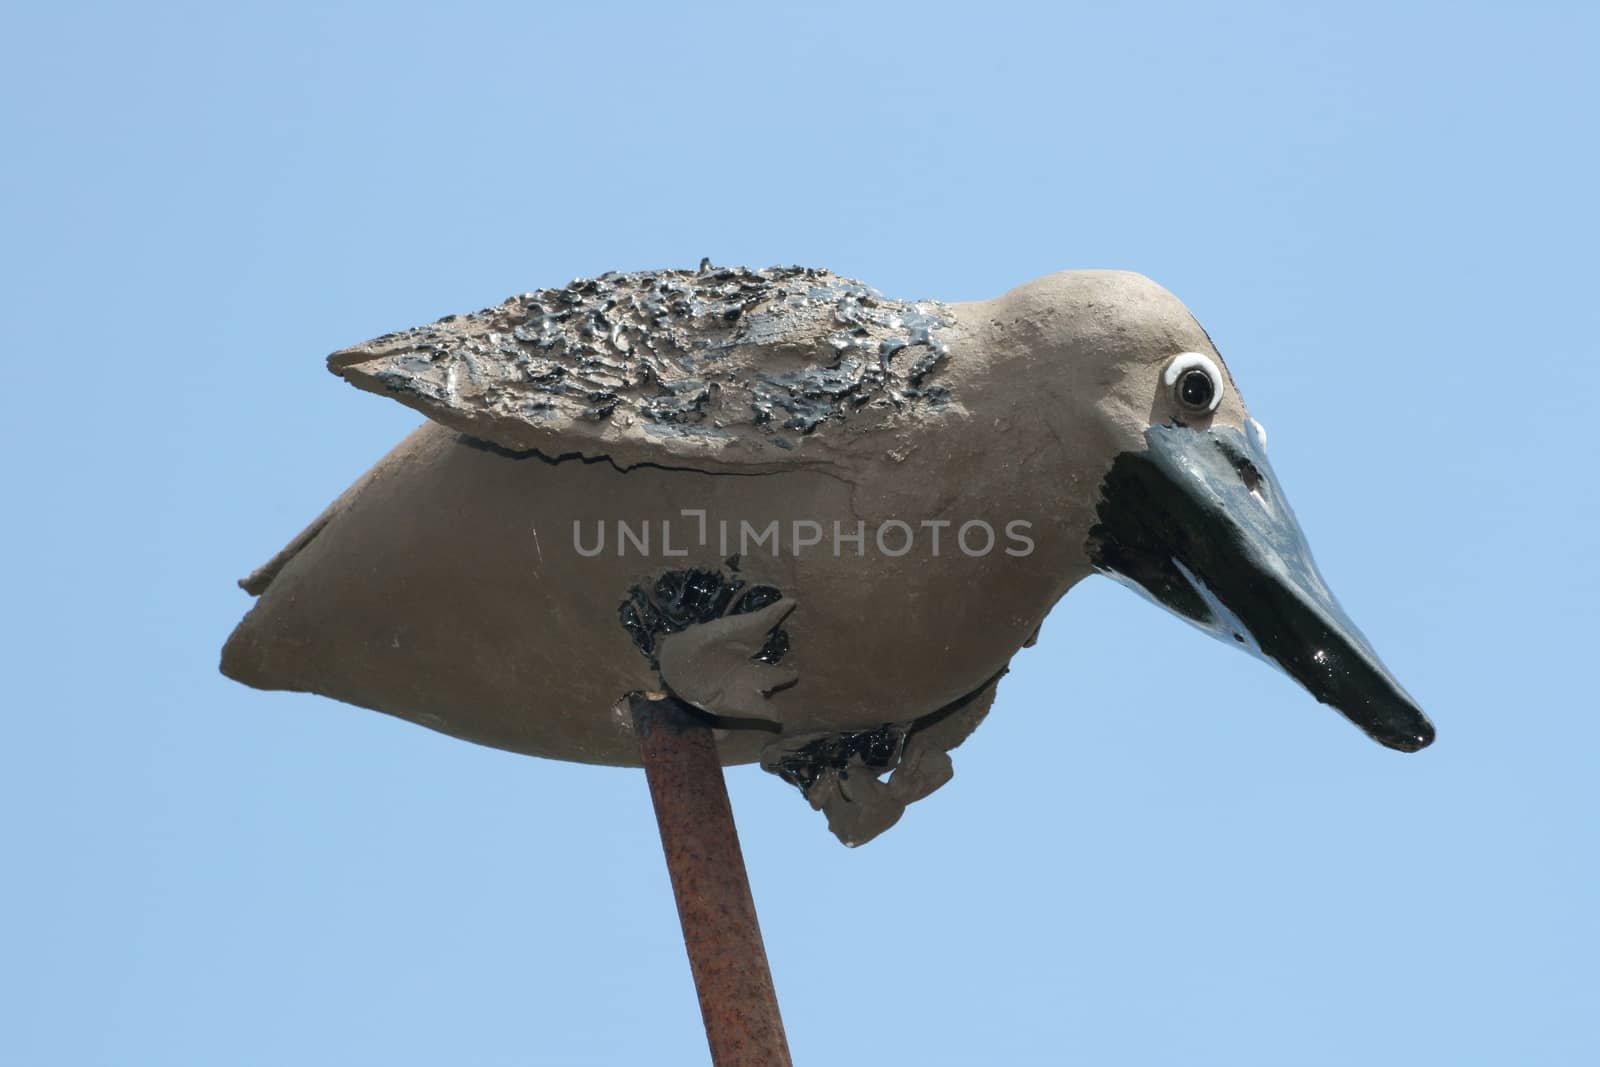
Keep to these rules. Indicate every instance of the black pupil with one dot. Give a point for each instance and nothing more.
(1195, 389)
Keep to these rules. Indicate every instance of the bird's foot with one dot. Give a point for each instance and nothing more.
(716, 640)
(715, 666)
(840, 775)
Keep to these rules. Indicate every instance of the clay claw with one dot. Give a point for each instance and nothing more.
(712, 665)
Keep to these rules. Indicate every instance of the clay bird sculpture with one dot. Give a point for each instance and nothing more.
(826, 518)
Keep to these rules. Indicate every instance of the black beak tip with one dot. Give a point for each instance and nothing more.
(1413, 738)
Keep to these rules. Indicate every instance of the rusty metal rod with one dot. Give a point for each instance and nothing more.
(720, 930)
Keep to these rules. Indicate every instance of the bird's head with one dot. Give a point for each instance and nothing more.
(1187, 509)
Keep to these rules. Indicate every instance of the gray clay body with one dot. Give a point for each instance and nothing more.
(458, 583)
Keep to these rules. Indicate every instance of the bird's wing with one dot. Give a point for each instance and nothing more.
(717, 369)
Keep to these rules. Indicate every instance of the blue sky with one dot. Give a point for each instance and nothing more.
(1153, 852)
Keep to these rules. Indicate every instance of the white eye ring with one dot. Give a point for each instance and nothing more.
(1183, 363)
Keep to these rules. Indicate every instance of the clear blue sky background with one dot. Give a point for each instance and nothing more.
(1154, 852)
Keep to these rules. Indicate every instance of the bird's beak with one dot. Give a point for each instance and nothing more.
(1198, 522)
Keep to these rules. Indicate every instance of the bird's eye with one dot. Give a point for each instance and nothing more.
(1195, 381)
(1195, 388)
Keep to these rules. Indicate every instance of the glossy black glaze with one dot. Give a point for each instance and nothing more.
(680, 599)
(1198, 523)
(877, 750)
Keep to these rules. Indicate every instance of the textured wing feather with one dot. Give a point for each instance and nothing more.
(729, 369)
